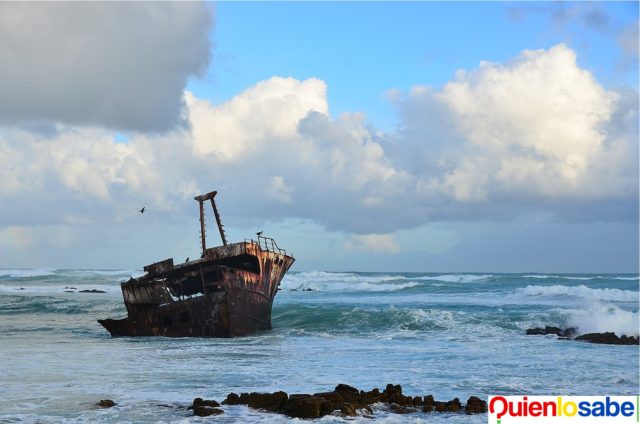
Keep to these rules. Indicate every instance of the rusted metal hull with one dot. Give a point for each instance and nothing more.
(228, 292)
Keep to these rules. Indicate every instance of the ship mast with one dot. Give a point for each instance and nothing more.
(201, 199)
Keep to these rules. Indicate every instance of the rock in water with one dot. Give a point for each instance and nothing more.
(106, 403)
(608, 338)
(475, 405)
(307, 406)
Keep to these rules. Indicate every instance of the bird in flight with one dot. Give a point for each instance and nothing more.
(143, 208)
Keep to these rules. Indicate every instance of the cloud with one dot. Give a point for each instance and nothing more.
(375, 243)
(534, 135)
(537, 130)
(279, 190)
(117, 65)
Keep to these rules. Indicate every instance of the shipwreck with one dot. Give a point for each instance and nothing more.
(227, 292)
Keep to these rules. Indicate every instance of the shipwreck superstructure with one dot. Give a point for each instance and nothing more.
(227, 292)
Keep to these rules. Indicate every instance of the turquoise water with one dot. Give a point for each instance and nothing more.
(450, 335)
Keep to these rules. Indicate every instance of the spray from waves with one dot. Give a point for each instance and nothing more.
(572, 277)
(580, 291)
(457, 278)
(330, 281)
(600, 318)
(26, 273)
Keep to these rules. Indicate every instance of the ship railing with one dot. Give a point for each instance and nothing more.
(268, 244)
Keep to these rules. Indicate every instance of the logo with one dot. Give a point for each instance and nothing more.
(563, 409)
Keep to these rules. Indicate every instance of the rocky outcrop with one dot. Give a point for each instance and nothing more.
(106, 403)
(344, 400)
(205, 408)
(608, 338)
(475, 405)
(566, 333)
(570, 333)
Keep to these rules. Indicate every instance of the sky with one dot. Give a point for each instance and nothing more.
(362, 136)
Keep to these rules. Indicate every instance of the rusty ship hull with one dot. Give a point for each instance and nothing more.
(228, 292)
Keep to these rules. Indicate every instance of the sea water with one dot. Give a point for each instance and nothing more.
(447, 334)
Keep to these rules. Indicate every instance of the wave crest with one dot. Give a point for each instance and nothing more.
(581, 291)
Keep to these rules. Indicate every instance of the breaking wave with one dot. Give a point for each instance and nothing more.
(581, 291)
(330, 281)
(585, 277)
(458, 278)
(26, 273)
(385, 321)
(600, 318)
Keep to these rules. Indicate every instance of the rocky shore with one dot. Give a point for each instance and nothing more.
(344, 400)
(570, 334)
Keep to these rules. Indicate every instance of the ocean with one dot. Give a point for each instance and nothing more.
(445, 334)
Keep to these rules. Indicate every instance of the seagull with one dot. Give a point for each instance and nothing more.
(259, 233)
(186, 260)
(142, 210)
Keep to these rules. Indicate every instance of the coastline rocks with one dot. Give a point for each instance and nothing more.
(599, 338)
(106, 403)
(205, 408)
(92, 291)
(344, 400)
(475, 405)
(567, 333)
(608, 338)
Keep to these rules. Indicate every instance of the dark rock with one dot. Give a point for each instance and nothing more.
(106, 403)
(453, 405)
(345, 388)
(440, 406)
(91, 291)
(475, 405)
(270, 401)
(394, 395)
(205, 411)
(373, 396)
(428, 404)
(232, 399)
(608, 338)
(428, 400)
(204, 402)
(348, 393)
(348, 410)
(400, 409)
(544, 331)
(334, 397)
(307, 406)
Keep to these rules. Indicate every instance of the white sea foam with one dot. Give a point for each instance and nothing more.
(335, 281)
(25, 273)
(458, 278)
(581, 291)
(600, 318)
(566, 277)
(571, 277)
(55, 289)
